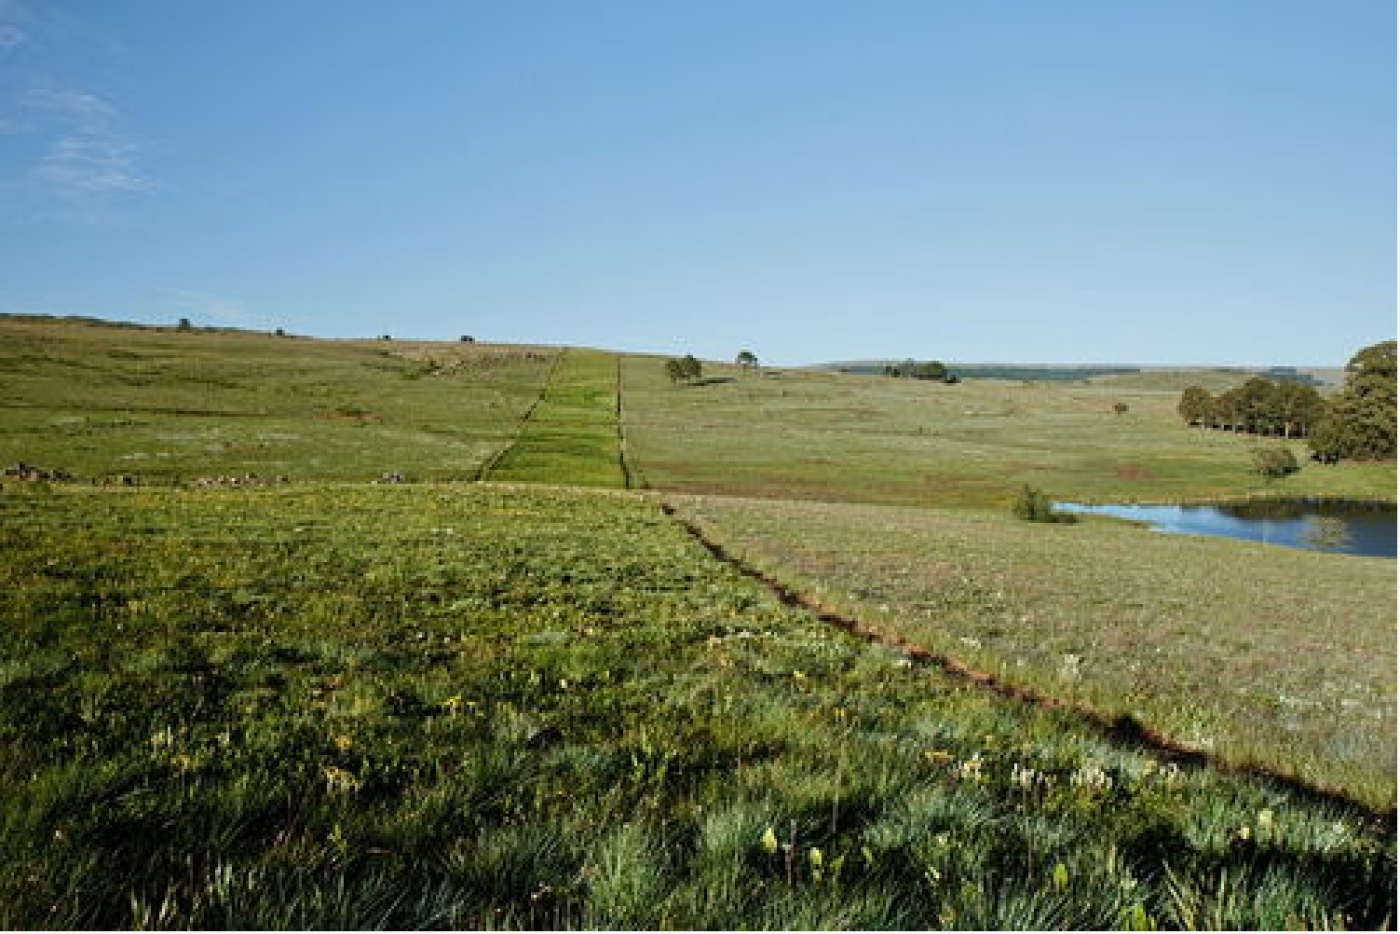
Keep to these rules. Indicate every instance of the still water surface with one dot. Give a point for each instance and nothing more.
(1341, 527)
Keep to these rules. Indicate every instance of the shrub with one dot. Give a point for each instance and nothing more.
(1274, 462)
(1034, 506)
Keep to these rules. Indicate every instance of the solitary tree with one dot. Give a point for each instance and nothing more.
(184, 325)
(746, 359)
(692, 367)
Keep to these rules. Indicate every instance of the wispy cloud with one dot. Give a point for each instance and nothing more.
(12, 34)
(204, 308)
(89, 154)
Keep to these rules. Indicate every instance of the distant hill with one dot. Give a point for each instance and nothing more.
(1063, 372)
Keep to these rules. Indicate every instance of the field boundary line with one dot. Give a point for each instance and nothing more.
(1123, 730)
(632, 477)
(488, 465)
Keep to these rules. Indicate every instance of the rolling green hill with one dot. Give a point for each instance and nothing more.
(764, 649)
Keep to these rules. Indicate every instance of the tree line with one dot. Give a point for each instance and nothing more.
(1356, 424)
(911, 369)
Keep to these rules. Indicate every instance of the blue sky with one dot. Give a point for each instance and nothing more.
(1067, 181)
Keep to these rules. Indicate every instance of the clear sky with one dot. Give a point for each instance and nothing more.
(1148, 181)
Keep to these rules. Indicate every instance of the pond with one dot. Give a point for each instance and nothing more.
(1348, 527)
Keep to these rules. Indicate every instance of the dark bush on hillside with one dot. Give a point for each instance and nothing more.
(1034, 506)
(683, 368)
(1274, 462)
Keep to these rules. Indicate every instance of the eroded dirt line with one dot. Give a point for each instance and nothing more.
(1124, 731)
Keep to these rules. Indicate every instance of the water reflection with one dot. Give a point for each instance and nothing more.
(1340, 526)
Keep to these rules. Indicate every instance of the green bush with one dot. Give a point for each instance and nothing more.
(1034, 506)
(1274, 461)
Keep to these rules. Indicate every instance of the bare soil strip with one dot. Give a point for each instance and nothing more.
(1123, 730)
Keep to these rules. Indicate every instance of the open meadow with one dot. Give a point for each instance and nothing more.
(166, 405)
(798, 434)
(482, 706)
(1255, 654)
(537, 700)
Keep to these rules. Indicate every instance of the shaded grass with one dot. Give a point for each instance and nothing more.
(487, 707)
(1254, 654)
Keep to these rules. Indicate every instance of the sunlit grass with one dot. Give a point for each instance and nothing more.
(1253, 653)
(486, 707)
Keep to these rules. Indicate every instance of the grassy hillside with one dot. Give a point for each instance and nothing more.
(1258, 655)
(164, 404)
(806, 435)
(474, 706)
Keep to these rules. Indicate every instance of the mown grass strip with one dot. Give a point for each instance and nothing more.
(490, 463)
(572, 435)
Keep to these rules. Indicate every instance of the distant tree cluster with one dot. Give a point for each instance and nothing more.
(1272, 408)
(911, 369)
(683, 368)
(1358, 424)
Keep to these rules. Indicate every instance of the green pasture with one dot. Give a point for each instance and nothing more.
(474, 706)
(571, 437)
(167, 405)
(848, 438)
(1255, 654)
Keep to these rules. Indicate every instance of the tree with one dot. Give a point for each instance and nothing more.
(675, 370)
(1359, 423)
(1376, 360)
(279, 333)
(1298, 407)
(746, 359)
(467, 339)
(184, 325)
(1195, 405)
